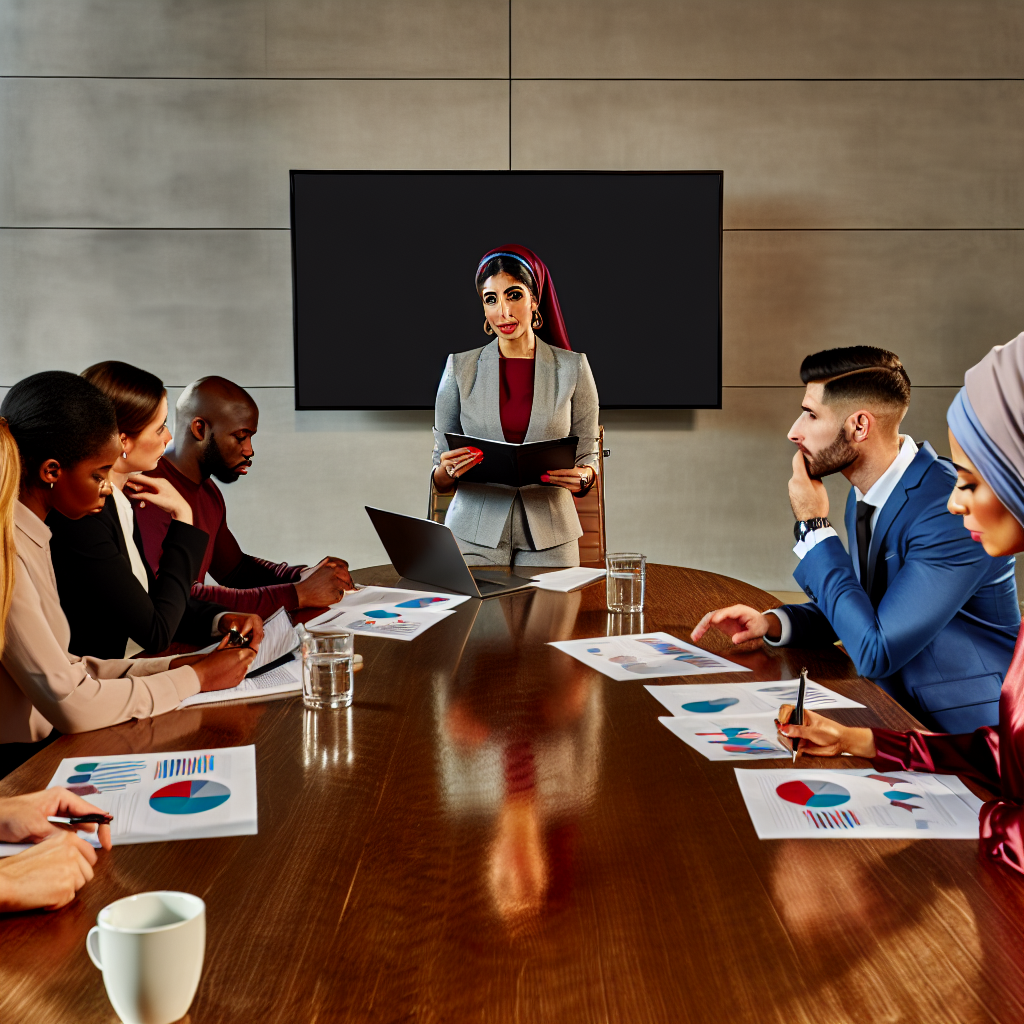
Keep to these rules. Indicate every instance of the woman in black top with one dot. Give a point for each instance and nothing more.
(114, 603)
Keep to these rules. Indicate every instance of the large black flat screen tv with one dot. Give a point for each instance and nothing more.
(383, 265)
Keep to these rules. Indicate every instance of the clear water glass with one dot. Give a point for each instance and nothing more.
(327, 669)
(626, 581)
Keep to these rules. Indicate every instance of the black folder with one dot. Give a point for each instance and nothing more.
(515, 464)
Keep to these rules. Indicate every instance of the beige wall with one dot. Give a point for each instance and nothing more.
(873, 154)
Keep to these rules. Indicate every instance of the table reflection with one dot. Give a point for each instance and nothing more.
(852, 920)
(521, 753)
(327, 738)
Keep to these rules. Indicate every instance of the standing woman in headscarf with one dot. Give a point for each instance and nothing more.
(986, 437)
(519, 389)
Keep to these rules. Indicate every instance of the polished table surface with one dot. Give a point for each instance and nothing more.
(495, 833)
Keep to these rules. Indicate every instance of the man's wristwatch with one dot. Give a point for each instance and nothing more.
(806, 526)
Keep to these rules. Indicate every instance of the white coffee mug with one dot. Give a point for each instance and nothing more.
(150, 949)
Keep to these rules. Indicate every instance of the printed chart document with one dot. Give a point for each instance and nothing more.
(388, 612)
(564, 580)
(645, 654)
(857, 804)
(186, 794)
(730, 699)
(743, 738)
(515, 465)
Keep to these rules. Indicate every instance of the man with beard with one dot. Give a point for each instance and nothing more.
(216, 421)
(917, 604)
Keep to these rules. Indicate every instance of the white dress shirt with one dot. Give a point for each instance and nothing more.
(877, 495)
(126, 516)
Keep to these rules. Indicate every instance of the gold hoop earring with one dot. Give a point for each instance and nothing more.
(536, 321)
(488, 329)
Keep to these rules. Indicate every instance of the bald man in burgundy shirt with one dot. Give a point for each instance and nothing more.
(215, 422)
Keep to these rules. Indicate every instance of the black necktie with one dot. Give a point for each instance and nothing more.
(864, 513)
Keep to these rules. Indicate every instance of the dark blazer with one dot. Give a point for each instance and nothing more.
(937, 620)
(106, 605)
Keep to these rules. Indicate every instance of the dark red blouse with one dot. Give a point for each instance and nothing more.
(516, 397)
(993, 757)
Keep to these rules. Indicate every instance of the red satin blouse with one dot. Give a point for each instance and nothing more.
(516, 399)
(992, 757)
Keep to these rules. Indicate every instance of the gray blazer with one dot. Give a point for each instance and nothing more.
(564, 403)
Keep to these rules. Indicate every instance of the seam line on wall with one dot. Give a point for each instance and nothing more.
(442, 78)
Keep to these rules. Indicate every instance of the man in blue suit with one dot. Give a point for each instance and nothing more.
(917, 604)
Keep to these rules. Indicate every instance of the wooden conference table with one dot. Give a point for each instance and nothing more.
(495, 833)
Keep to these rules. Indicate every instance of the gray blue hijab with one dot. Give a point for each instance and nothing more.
(987, 419)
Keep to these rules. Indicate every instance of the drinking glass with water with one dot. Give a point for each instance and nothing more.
(327, 670)
(626, 581)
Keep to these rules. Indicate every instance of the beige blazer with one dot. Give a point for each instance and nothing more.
(42, 685)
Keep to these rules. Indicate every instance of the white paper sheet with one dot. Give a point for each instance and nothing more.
(748, 738)
(283, 679)
(731, 699)
(641, 655)
(857, 804)
(388, 612)
(185, 794)
(564, 580)
(279, 638)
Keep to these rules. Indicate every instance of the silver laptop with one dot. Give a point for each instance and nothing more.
(427, 552)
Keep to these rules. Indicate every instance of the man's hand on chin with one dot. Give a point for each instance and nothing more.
(808, 497)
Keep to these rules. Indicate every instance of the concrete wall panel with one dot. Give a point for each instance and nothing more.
(254, 38)
(798, 154)
(160, 153)
(779, 39)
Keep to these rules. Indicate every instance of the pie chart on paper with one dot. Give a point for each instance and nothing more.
(189, 797)
(709, 707)
(813, 793)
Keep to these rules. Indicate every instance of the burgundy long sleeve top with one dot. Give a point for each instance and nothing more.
(516, 397)
(993, 757)
(247, 584)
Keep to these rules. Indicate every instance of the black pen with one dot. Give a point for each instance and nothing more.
(797, 718)
(82, 819)
(235, 639)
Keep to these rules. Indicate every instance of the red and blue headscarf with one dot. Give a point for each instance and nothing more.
(547, 300)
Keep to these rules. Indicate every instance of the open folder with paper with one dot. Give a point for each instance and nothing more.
(515, 465)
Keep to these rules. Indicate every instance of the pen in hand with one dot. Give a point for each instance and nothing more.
(797, 718)
(81, 819)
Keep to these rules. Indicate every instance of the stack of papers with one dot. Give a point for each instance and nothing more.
(564, 580)
(645, 654)
(736, 721)
(185, 794)
(857, 804)
(387, 612)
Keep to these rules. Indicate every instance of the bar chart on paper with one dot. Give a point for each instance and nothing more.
(750, 738)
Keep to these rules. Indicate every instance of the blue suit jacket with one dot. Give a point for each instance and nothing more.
(936, 623)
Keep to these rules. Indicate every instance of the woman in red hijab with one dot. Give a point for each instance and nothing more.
(519, 388)
(986, 437)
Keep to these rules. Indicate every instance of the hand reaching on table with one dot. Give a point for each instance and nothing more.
(740, 623)
(821, 737)
(325, 585)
